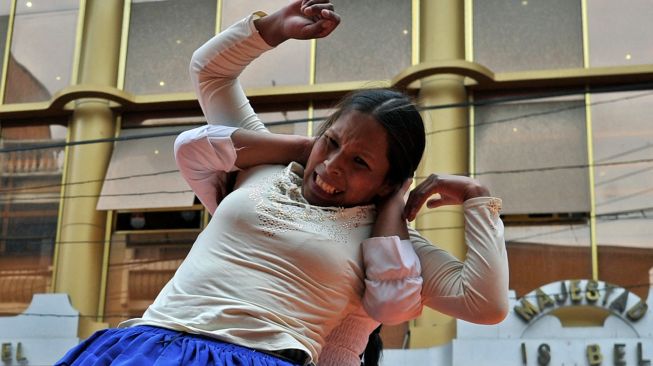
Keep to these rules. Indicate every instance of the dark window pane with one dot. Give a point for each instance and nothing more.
(619, 32)
(42, 49)
(373, 42)
(521, 35)
(287, 64)
(534, 155)
(162, 38)
(623, 147)
(30, 185)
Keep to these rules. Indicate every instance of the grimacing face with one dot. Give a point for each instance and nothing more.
(348, 164)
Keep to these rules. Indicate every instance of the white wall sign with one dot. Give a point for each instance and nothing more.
(531, 334)
(42, 334)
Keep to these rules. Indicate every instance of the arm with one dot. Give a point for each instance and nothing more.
(476, 289)
(215, 66)
(346, 342)
(205, 155)
(392, 269)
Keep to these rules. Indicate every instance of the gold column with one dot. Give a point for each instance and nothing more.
(78, 267)
(442, 38)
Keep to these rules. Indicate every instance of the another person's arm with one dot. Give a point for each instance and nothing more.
(475, 289)
(392, 269)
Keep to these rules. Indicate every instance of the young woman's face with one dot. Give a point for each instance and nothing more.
(348, 164)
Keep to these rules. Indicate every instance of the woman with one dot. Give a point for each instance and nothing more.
(474, 290)
(279, 264)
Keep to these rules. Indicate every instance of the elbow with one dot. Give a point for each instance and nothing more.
(493, 312)
(386, 304)
(390, 314)
(181, 143)
(196, 63)
(495, 316)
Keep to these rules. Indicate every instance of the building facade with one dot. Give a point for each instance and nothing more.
(544, 101)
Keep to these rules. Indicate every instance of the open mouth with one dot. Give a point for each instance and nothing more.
(326, 187)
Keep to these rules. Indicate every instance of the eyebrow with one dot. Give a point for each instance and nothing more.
(368, 156)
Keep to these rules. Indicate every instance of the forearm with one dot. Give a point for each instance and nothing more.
(390, 222)
(347, 341)
(214, 69)
(266, 148)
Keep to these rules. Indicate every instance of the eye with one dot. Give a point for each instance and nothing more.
(361, 162)
(331, 141)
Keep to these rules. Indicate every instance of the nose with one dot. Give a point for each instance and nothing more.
(332, 165)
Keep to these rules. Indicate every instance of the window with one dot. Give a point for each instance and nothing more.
(287, 64)
(533, 154)
(43, 30)
(623, 146)
(142, 173)
(30, 186)
(373, 42)
(140, 264)
(521, 35)
(162, 38)
(617, 32)
(540, 253)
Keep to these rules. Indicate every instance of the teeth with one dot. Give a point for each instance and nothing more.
(325, 186)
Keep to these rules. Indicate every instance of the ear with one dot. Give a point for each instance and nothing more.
(387, 188)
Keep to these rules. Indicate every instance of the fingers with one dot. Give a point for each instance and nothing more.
(415, 201)
(419, 195)
(330, 15)
(448, 190)
(440, 201)
(315, 8)
(323, 14)
(323, 27)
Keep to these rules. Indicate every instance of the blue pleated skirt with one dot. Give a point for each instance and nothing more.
(145, 345)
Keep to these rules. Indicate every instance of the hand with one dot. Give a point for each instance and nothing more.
(451, 190)
(319, 20)
(394, 200)
(301, 19)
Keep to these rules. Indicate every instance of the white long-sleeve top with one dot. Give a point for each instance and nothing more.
(474, 290)
(271, 271)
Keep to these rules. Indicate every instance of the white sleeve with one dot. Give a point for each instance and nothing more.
(346, 342)
(205, 155)
(476, 289)
(214, 69)
(392, 280)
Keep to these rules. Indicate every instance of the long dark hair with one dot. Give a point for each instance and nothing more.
(402, 122)
(374, 347)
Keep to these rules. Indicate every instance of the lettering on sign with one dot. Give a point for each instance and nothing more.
(7, 351)
(593, 354)
(576, 295)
